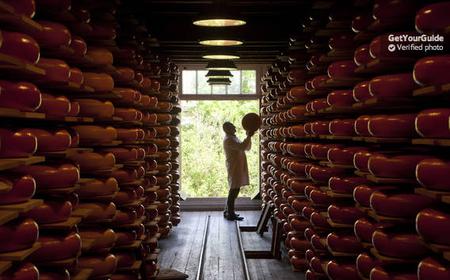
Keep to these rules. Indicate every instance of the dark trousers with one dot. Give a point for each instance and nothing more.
(232, 195)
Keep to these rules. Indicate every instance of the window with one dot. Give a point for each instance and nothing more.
(194, 82)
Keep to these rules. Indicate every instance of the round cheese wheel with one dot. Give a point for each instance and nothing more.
(396, 85)
(22, 189)
(20, 234)
(399, 245)
(124, 154)
(365, 263)
(23, 271)
(345, 243)
(96, 108)
(428, 220)
(20, 46)
(342, 69)
(361, 92)
(128, 114)
(129, 96)
(361, 22)
(51, 177)
(17, 143)
(100, 211)
(401, 166)
(344, 214)
(318, 81)
(90, 134)
(378, 273)
(392, 126)
(101, 265)
(100, 56)
(345, 184)
(392, 9)
(341, 41)
(76, 76)
(130, 134)
(323, 174)
(341, 270)
(49, 141)
(79, 46)
(362, 126)
(23, 7)
(59, 275)
(56, 70)
(103, 240)
(126, 74)
(100, 82)
(344, 127)
(433, 123)
(340, 98)
(399, 205)
(430, 173)
(58, 106)
(362, 55)
(22, 96)
(55, 248)
(51, 212)
(433, 18)
(102, 32)
(364, 228)
(433, 268)
(98, 187)
(52, 35)
(431, 70)
(91, 161)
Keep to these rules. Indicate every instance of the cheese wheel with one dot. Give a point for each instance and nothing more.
(130, 135)
(361, 22)
(402, 166)
(433, 18)
(433, 123)
(49, 141)
(90, 161)
(342, 69)
(51, 212)
(393, 9)
(128, 96)
(340, 98)
(23, 7)
(74, 109)
(79, 46)
(96, 108)
(100, 211)
(393, 126)
(18, 235)
(54, 248)
(396, 85)
(54, 106)
(432, 70)
(102, 32)
(97, 187)
(126, 74)
(361, 92)
(362, 55)
(20, 46)
(90, 134)
(56, 70)
(17, 143)
(341, 41)
(399, 245)
(52, 35)
(22, 96)
(23, 271)
(101, 265)
(76, 76)
(51, 177)
(102, 240)
(22, 189)
(100, 82)
(100, 56)
(129, 114)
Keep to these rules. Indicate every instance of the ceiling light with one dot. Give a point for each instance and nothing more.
(221, 65)
(219, 81)
(221, 42)
(219, 74)
(220, 55)
(219, 22)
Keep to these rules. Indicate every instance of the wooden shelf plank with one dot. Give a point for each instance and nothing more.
(136, 244)
(19, 255)
(432, 142)
(9, 163)
(81, 212)
(135, 266)
(390, 260)
(23, 207)
(7, 215)
(13, 113)
(67, 225)
(20, 23)
(380, 180)
(4, 266)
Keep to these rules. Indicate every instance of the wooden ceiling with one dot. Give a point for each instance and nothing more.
(269, 24)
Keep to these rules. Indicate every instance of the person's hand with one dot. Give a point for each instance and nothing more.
(250, 133)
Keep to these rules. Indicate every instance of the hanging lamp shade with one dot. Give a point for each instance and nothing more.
(222, 42)
(219, 74)
(219, 81)
(221, 65)
(220, 53)
(219, 15)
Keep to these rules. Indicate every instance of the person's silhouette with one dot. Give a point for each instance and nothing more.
(236, 162)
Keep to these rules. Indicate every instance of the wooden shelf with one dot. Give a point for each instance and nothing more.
(67, 225)
(380, 180)
(58, 263)
(349, 82)
(81, 212)
(59, 191)
(13, 113)
(23, 207)
(4, 266)
(7, 215)
(339, 195)
(86, 244)
(4, 187)
(19, 255)
(12, 67)
(137, 223)
(101, 198)
(338, 225)
(380, 218)
(431, 142)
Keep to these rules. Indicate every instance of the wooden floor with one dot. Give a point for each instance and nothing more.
(181, 250)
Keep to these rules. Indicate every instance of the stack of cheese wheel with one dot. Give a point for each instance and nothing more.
(352, 161)
(95, 116)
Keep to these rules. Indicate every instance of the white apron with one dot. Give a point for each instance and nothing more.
(236, 160)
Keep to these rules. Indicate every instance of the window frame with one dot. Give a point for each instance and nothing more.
(259, 68)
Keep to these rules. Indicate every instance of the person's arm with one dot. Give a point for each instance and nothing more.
(232, 144)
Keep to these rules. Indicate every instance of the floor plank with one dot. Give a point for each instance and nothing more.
(181, 250)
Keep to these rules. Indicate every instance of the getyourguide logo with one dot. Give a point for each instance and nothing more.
(415, 38)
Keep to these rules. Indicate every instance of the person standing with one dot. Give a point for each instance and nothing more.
(237, 168)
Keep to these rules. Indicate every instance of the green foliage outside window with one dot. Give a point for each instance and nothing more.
(202, 157)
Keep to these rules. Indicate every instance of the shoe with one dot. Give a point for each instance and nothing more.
(233, 218)
(225, 214)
